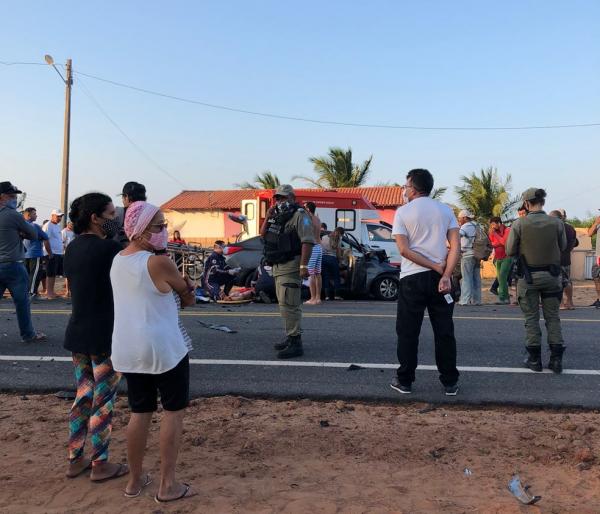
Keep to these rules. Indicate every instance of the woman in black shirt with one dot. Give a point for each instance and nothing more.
(87, 264)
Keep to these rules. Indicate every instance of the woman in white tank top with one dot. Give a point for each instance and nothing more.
(149, 346)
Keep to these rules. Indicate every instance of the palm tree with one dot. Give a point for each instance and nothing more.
(265, 180)
(438, 193)
(486, 195)
(337, 170)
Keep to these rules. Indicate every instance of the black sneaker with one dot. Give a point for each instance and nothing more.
(596, 304)
(397, 386)
(451, 390)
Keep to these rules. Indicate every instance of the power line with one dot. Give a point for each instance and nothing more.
(20, 63)
(329, 122)
(142, 152)
(315, 120)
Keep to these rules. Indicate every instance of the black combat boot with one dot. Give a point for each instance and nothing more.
(556, 355)
(534, 358)
(293, 349)
(283, 344)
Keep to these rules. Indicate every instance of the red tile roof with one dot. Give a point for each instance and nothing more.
(209, 200)
(231, 199)
(380, 196)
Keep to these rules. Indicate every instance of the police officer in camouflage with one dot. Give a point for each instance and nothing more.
(288, 237)
(537, 241)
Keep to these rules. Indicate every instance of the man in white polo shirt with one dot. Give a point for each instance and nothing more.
(426, 232)
(55, 261)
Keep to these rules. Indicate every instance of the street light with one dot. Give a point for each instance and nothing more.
(64, 190)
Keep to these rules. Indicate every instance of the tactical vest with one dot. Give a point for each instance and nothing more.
(539, 240)
(281, 246)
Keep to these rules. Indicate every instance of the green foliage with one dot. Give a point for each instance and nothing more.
(336, 169)
(265, 180)
(584, 223)
(438, 193)
(486, 195)
(580, 223)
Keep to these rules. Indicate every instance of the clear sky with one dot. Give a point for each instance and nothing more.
(430, 63)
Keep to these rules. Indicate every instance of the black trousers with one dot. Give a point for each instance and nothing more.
(417, 293)
(36, 273)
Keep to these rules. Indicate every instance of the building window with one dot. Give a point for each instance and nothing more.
(345, 219)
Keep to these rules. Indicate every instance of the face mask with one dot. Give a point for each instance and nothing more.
(110, 228)
(405, 199)
(283, 206)
(12, 203)
(159, 241)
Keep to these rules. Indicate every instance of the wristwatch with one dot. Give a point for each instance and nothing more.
(302, 266)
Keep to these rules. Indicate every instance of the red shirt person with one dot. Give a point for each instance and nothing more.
(498, 235)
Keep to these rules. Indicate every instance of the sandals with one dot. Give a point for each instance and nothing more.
(37, 338)
(81, 471)
(146, 483)
(121, 470)
(180, 497)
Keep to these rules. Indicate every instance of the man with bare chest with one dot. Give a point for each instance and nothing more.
(315, 280)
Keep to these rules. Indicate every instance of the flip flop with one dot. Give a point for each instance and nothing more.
(121, 470)
(80, 472)
(180, 497)
(37, 338)
(146, 483)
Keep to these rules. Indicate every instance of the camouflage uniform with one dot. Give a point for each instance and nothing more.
(288, 283)
(539, 238)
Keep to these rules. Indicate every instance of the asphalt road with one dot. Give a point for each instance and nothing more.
(336, 335)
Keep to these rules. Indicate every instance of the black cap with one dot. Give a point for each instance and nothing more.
(9, 189)
(133, 189)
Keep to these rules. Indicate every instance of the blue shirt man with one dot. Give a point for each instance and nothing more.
(34, 251)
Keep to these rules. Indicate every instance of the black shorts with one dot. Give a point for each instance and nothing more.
(54, 266)
(173, 386)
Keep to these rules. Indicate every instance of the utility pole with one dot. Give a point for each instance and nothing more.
(64, 187)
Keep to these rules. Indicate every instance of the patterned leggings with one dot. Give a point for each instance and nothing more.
(97, 383)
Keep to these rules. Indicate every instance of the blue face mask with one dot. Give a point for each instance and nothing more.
(12, 203)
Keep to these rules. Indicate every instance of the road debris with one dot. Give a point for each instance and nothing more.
(354, 367)
(521, 492)
(221, 328)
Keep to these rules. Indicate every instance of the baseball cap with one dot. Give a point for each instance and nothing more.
(133, 189)
(465, 214)
(529, 194)
(284, 190)
(57, 212)
(8, 188)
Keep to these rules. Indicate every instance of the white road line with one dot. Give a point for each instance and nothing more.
(311, 364)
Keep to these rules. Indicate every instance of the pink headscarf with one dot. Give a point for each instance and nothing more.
(138, 217)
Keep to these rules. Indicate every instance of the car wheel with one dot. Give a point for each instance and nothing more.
(385, 288)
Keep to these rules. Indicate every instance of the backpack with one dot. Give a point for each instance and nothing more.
(482, 247)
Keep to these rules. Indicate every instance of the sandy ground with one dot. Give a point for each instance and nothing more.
(584, 293)
(250, 456)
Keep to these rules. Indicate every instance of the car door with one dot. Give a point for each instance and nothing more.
(380, 237)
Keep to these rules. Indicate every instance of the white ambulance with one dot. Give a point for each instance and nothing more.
(350, 211)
